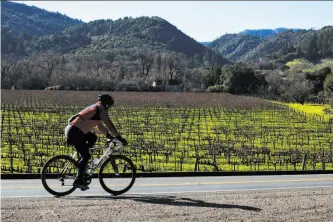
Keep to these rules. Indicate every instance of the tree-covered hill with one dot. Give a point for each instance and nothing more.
(239, 47)
(149, 32)
(316, 45)
(313, 45)
(21, 23)
(28, 30)
(283, 46)
(153, 32)
(276, 46)
(235, 46)
(21, 18)
(127, 33)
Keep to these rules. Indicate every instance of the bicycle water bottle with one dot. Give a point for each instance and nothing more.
(95, 162)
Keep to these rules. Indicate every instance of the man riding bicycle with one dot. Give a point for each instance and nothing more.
(78, 132)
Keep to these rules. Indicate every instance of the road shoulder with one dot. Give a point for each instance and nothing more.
(315, 204)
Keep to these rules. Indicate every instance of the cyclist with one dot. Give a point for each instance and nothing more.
(78, 132)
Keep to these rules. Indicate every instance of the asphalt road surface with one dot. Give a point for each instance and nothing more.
(169, 185)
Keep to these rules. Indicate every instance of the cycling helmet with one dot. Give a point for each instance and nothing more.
(106, 100)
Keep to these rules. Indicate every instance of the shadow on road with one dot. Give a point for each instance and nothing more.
(171, 200)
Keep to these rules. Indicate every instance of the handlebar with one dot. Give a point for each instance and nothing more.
(114, 140)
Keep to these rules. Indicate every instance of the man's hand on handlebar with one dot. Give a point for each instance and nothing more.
(122, 140)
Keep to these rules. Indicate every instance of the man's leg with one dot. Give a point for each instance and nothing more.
(91, 139)
(78, 140)
(82, 148)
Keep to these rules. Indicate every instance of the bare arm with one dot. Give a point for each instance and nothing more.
(102, 128)
(106, 120)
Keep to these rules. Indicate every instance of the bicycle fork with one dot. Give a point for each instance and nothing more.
(113, 162)
(115, 167)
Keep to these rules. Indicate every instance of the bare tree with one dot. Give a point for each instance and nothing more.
(158, 62)
(48, 62)
(113, 70)
(5, 68)
(298, 87)
(193, 78)
(28, 67)
(146, 59)
(275, 82)
(150, 62)
(11, 72)
(93, 64)
(185, 77)
(172, 62)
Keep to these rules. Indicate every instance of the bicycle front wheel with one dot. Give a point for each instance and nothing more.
(117, 174)
(58, 175)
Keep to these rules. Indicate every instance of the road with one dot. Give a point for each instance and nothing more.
(34, 188)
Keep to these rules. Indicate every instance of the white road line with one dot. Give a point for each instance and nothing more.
(235, 190)
(187, 183)
(176, 192)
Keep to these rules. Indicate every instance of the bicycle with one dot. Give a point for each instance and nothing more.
(59, 173)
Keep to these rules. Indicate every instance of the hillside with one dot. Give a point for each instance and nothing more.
(275, 46)
(235, 46)
(123, 34)
(42, 31)
(317, 45)
(32, 20)
(21, 23)
(152, 32)
(281, 46)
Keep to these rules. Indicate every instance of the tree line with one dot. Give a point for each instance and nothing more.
(138, 69)
(124, 70)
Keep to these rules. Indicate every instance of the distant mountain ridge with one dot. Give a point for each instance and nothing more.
(235, 46)
(267, 32)
(32, 20)
(280, 44)
(28, 30)
(285, 45)
(260, 32)
(204, 43)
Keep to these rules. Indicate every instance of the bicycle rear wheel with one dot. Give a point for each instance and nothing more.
(117, 174)
(58, 175)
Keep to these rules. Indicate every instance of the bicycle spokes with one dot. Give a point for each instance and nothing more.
(59, 174)
(117, 174)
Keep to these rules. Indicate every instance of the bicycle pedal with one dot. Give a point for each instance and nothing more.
(84, 189)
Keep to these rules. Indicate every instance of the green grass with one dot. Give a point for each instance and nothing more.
(299, 64)
(324, 63)
(311, 109)
(306, 66)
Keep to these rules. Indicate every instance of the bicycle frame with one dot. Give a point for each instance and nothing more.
(108, 152)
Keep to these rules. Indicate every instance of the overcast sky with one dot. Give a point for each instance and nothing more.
(204, 20)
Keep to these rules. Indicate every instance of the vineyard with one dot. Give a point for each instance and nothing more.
(170, 131)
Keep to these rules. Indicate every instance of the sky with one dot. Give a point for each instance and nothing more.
(203, 20)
